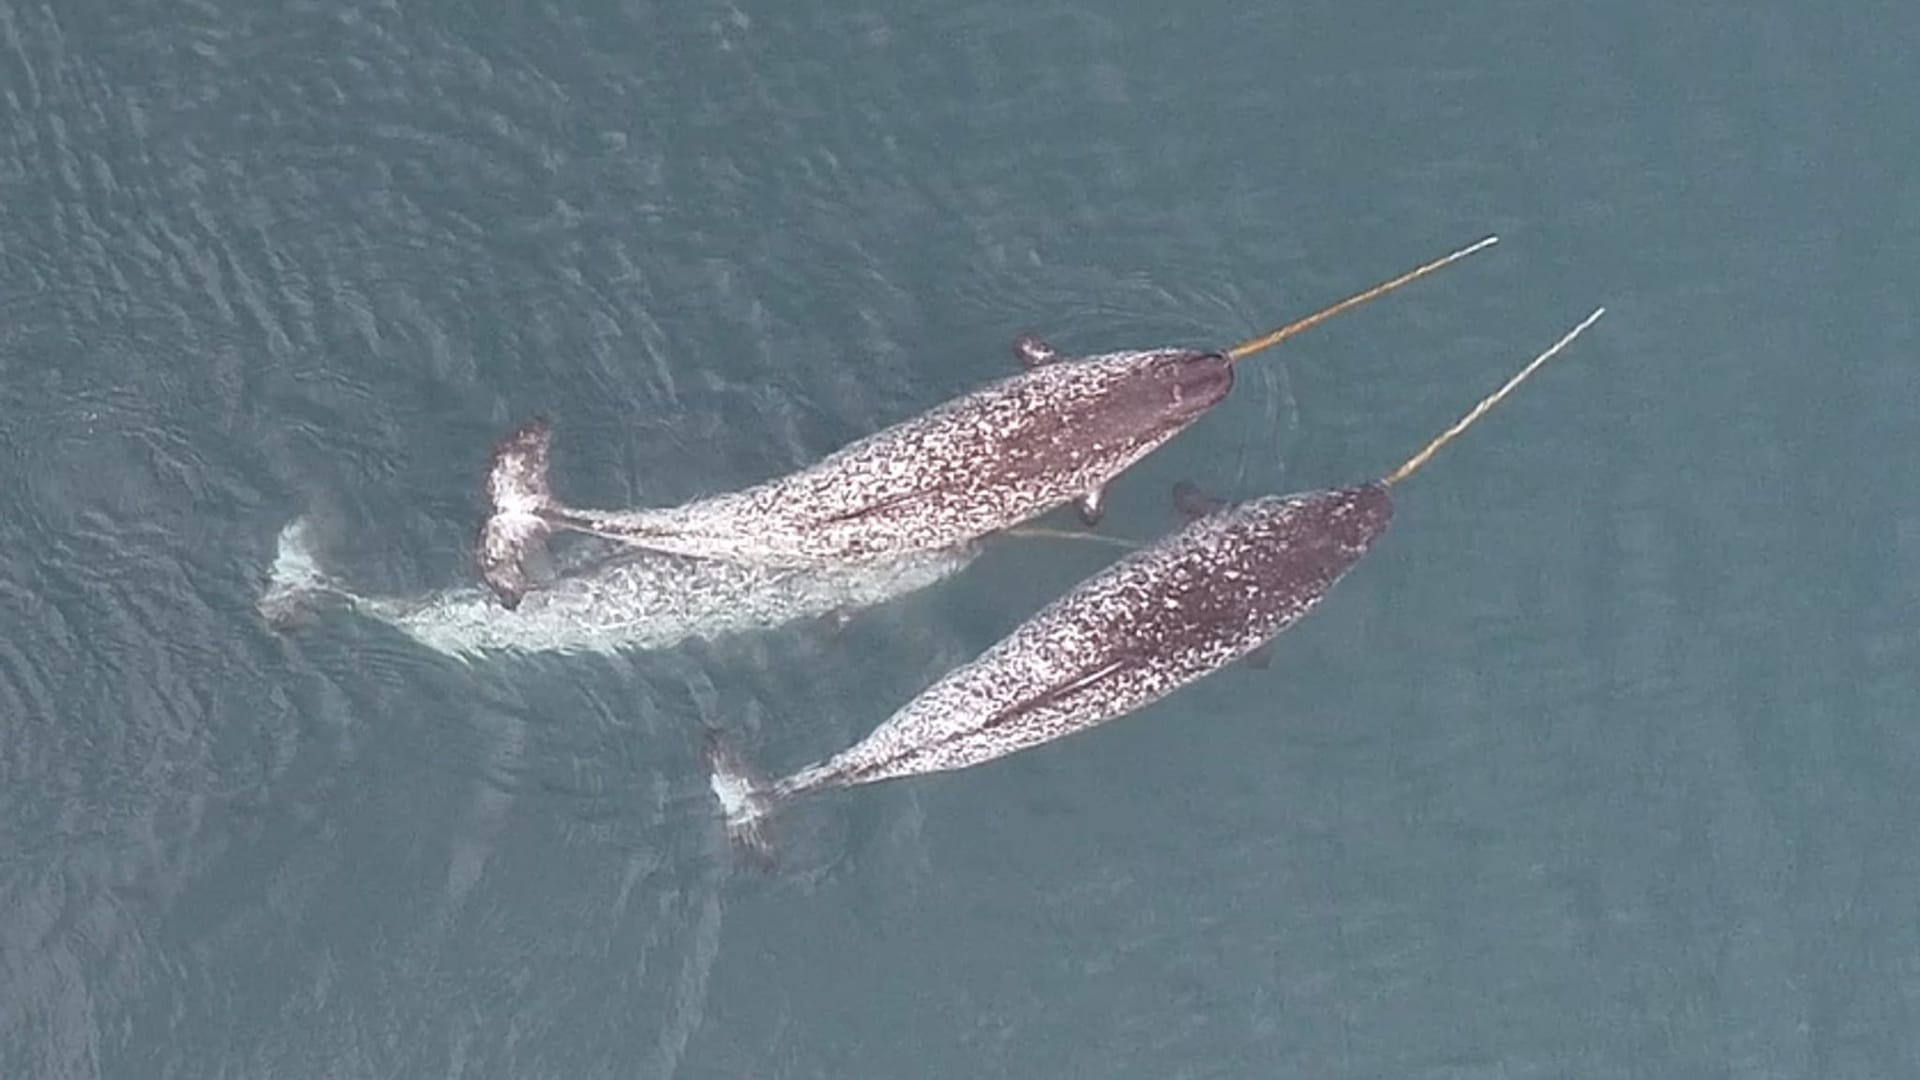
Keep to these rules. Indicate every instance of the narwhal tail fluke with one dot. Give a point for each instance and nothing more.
(746, 798)
(296, 581)
(517, 493)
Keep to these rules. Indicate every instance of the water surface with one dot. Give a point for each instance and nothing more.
(1603, 765)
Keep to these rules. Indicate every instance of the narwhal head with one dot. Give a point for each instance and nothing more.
(1160, 391)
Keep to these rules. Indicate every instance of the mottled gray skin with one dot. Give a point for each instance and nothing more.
(985, 461)
(606, 601)
(1146, 626)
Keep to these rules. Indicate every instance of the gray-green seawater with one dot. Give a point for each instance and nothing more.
(1603, 764)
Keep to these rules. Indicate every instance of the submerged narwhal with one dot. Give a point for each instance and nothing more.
(604, 598)
(1058, 432)
(1149, 624)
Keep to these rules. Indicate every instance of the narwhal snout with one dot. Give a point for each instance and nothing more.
(1200, 381)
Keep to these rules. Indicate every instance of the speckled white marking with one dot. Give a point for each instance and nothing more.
(1124, 638)
(639, 600)
(982, 462)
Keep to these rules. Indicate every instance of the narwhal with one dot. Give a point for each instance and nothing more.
(598, 596)
(1151, 623)
(1057, 432)
(605, 598)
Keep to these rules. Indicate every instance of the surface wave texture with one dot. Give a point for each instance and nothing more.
(1602, 765)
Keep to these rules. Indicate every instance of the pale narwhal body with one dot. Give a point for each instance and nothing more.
(1152, 622)
(990, 459)
(605, 598)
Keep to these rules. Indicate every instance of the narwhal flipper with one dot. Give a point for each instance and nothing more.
(1034, 351)
(1194, 502)
(514, 534)
(1091, 507)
